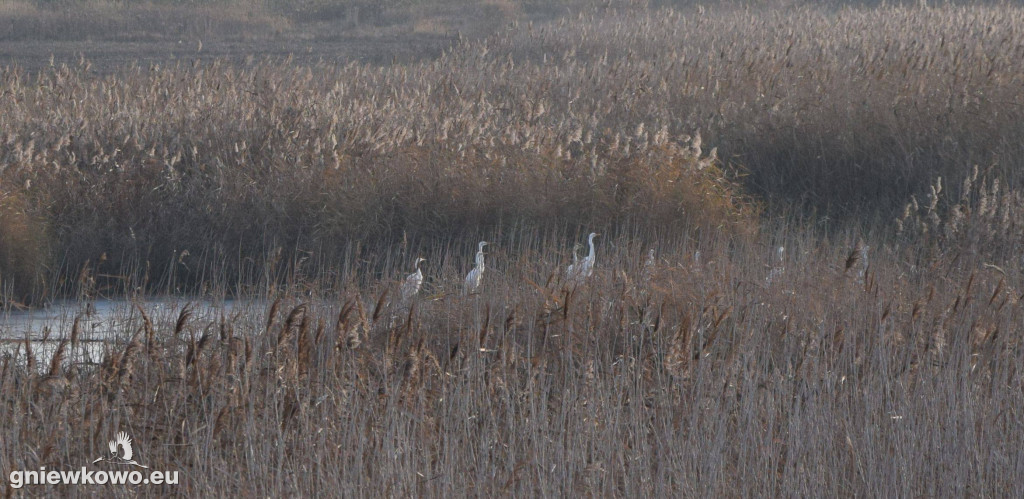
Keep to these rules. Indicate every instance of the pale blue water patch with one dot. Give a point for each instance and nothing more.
(101, 321)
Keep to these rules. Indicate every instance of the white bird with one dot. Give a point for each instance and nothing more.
(578, 272)
(476, 275)
(412, 283)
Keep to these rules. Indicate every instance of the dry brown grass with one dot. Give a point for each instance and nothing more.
(983, 221)
(844, 112)
(839, 110)
(756, 355)
(214, 159)
(705, 380)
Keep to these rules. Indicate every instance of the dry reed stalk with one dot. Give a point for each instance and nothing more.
(677, 357)
(484, 329)
(183, 316)
(30, 360)
(378, 309)
(150, 331)
(291, 324)
(272, 314)
(58, 358)
(305, 346)
(341, 323)
(358, 331)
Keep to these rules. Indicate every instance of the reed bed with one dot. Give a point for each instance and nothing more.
(822, 316)
(730, 372)
(590, 121)
(840, 110)
(219, 160)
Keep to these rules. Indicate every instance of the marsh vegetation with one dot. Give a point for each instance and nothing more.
(831, 197)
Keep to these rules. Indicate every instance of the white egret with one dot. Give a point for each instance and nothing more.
(476, 275)
(579, 272)
(412, 283)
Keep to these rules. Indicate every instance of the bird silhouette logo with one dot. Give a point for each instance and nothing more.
(120, 451)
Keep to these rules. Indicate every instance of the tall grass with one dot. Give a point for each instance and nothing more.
(705, 379)
(755, 354)
(839, 110)
(585, 123)
(235, 162)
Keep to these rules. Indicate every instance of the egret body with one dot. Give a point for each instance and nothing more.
(413, 281)
(578, 272)
(475, 276)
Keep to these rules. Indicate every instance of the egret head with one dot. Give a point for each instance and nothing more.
(480, 247)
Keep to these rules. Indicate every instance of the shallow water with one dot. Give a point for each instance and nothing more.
(101, 321)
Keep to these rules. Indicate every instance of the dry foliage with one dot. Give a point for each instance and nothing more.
(217, 160)
(743, 357)
(701, 378)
